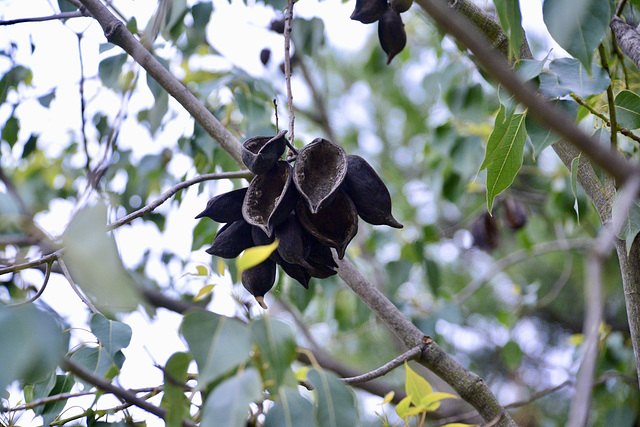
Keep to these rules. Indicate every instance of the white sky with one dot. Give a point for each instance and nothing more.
(233, 31)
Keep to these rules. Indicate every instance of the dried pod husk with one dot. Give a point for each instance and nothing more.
(391, 33)
(259, 280)
(321, 271)
(270, 198)
(320, 254)
(368, 192)
(225, 207)
(485, 232)
(335, 225)
(296, 272)
(232, 239)
(265, 55)
(515, 215)
(261, 153)
(369, 11)
(401, 6)
(292, 247)
(320, 168)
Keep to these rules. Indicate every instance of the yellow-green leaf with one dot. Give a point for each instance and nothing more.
(203, 292)
(415, 410)
(222, 267)
(301, 374)
(388, 397)
(202, 270)
(403, 407)
(436, 397)
(416, 387)
(254, 256)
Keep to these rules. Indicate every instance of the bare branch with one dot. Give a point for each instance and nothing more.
(30, 264)
(616, 165)
(117, 33)
(63, 15)
(47, 274)
(288, 18)
(626, 132)
(386, 368)
(173, 190)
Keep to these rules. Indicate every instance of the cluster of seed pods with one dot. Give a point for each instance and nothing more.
(309, 207)
(391, 32)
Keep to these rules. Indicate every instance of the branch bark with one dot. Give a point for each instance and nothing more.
(628, 39)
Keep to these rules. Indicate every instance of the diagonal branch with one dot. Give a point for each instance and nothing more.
(386, 368)
(63, 15)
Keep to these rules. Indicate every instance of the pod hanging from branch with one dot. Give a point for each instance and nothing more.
(259, 280)
(261, 153)
(225, 207)
(232, 239)
(369, 11)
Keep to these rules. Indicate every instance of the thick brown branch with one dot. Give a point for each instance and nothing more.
(117, 33)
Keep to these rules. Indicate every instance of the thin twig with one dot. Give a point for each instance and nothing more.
(85, 141)
(126, 395)
(539, 395)
(173, 190)
(516, 257)
(47, 274)
(610, 100)
(35, 263)
(386, 368)
(626, 132)
(620, 7)
(75, 288)
(63, 15)
(288, 17)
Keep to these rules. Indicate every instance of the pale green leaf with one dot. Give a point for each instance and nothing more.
(388, 397)
(255, 255)
(202, 270)
(112, 335)
(416, 387)
(505, 149)
(290, 410)
(402, 408)
(628, 109)
(174, 399)
(336, 403)
(277, 349)
(572, 75)
(626, 224)
(228, 404)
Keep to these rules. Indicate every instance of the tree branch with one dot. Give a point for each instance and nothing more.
(386, 368)
(18, 267)
(628, 39)
(288, 18)
(75, 288)
(47, 274)
(116, 32)
(63, 15)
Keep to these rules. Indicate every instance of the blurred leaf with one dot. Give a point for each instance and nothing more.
(228, 404)
(12, 79)
(626, 224)
(505, 149)
(511, 21)
(45, 100)
(51, 411)
(512, 355)
(132, 25)
(32, 344)
(110, 69)
(541, 136)
(10, 130)
(217, 343)
(307, 35)
(528, 69)
(628, 109)
(66, 6)
(277, 350)
(577, 25)
(94, 262)
(290, 408)
(29, 146)
(255, 255)
(575, 163)
(174, 399)
(206, 290)
(336, 403)
(113, 336)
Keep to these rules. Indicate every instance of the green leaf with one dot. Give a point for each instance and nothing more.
(255, 255)
(98, 361)
(511, 21)
(577, 25)
(94, 262)
(290, 410)
(626, 224)
(307, 35)
(66, 6)
(277, 349)
(402, 408)
(336, 403)
(112, 335)
(573, 76)
(628, 109)
(505, 149)
(110, 69)
(10, 130)
(416, 387)
(541, 136)
(512, 355)
(432, 398)
(29, 146)
(45, 100)
(528, 69)
(51, 411)
(174, 399)
(228, 404)
(217, 343)
(575, 163)
(32, 344)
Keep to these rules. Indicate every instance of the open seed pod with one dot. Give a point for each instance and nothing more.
(335, 225)
(368, 192)
(259, 280)
(292, 241)
(319, 170)
(369, 11)
(225, 207)
(391, 33)
(260, 153)
(270, 198)
(320, 254)
(232, 239)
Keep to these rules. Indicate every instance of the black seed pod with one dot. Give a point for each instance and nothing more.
(321, 271)
(369, 11)
(225, 207)
(232, 239)
(265, 55)
(270, 198)
(260, 153)
(335, 225)
(259, 280)
(297, 272)
(515, 215)
(485, 232)
(277, 26)
(401, 6)
(391, 33)
(320, 254)
(292, 242)
(368, 192)
(320, 168)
